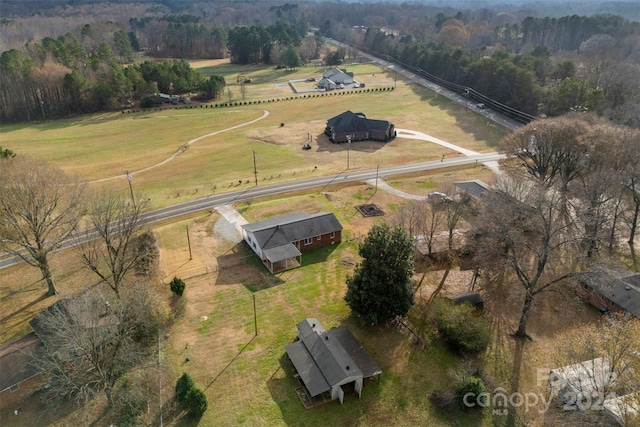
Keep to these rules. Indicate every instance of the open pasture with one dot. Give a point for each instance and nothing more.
(246, 379)
(176, 154)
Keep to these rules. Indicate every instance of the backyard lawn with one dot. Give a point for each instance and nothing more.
(177, 154)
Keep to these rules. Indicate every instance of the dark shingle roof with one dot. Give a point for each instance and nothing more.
(354, 122)
(15, 360)
(283, 230)
(324, 359)
(621, 291)
(473, 298)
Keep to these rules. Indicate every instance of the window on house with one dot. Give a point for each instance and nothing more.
(308, 240)
(584, 285)
(14, 388)
(319, 237)
(333, 234)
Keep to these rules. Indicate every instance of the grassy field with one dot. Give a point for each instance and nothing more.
(246, 375)
(245, 378)
(212, 154)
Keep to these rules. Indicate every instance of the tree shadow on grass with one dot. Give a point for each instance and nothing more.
(230, 363)
(23, 308)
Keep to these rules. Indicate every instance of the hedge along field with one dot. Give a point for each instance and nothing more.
(105, 145)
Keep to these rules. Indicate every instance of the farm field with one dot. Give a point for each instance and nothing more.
(244, 375)
(177, 154)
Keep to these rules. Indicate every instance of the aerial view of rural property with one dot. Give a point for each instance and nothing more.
(319, 213)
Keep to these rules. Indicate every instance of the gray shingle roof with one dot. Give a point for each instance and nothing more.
(475, 187)
(280, 231)
(324, 359)
(622, 291)
(15, 360)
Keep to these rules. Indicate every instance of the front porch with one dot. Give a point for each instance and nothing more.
(282, 258)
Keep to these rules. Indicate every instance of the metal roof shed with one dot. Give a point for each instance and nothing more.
(328, 360)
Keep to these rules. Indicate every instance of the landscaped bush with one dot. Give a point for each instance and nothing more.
(184, 384)
(459, 327)
(195, 402)
(192, 398)
(472, 387)
(177, 286)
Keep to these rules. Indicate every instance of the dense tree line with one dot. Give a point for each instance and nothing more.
(558, 64)
(59, 77)
(600, 79)
(250, 45)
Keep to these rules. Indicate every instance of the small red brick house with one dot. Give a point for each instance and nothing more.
(18, 376)
(611, 291)
(351, 127)
(281, 241)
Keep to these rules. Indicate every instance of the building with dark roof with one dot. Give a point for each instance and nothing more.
(18, 375)
(351, 127)
(327, 362)
(609, 290)
(475, 187)
(281, 241)
(472, 298)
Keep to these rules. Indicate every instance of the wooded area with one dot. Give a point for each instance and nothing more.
(570, 63)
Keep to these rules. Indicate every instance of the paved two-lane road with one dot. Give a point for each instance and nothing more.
(213, 201)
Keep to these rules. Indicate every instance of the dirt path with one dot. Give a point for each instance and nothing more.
(183, 147)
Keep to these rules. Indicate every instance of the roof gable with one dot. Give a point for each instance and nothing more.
(325, 359)
(286, 229)
(354, 122)
(15, 360)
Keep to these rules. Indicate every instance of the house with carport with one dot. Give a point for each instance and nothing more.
(281, 241)
(328, 363)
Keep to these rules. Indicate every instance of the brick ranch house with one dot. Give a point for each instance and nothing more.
(611, 291)
(350, 127)
(18, 376)
(281, 241)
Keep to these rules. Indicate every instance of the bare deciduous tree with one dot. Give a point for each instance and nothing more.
(91, 341)
(421, 219)
(40, 207)
(631, 180)
(115, 218)
(551, 150)
(520, 231)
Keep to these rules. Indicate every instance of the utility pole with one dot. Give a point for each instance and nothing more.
(133, 199)
(348, 149)
(189, 243)
(255, 171)
(255, 316)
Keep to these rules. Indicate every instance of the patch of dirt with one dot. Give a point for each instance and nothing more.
(370, 210)
(289, 134)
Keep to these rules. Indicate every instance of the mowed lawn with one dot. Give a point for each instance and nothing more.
(245, 377)
(214, 147)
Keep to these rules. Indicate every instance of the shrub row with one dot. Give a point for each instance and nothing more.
(266, 101)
